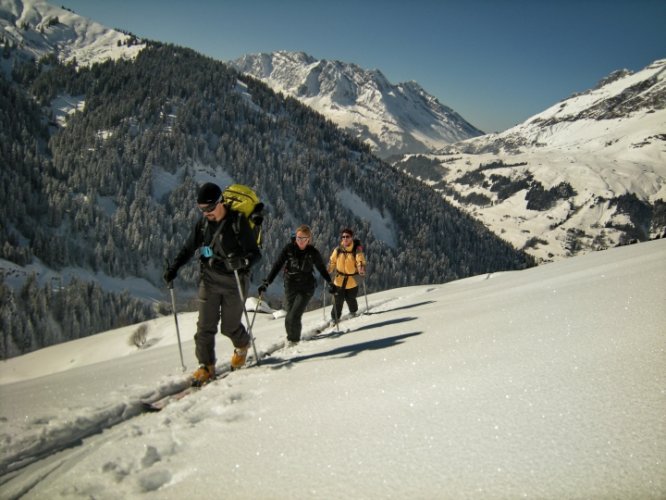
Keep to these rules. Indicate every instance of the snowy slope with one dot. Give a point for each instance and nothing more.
(392, 119)
(544, 383)
(602, 153)
(38, 28)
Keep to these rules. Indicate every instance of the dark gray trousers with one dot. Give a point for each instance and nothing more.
(295, 303)
(219, 302)
(344, 295)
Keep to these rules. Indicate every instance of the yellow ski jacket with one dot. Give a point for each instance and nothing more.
(347, 262)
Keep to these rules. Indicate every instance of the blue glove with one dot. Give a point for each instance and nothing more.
(262, 288)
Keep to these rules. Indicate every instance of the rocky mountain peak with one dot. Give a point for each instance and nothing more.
(392, 118)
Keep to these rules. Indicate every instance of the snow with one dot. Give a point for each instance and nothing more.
(543, 383)
(601, 159)
(66, 105)
(73, 36)
(382, 225)
(390, 118)
(596, 172)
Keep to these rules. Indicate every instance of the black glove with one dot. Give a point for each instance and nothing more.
(262, 288)
(237, 263)
(170, 274)
(332, 289)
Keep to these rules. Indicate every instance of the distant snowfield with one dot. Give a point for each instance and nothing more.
(542, 383)
(53, 28)
(65, 105)
(164, 182)
(381, 224)
(605, 143)
(604, 174)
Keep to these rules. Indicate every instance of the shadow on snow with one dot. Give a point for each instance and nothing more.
(348, 351)
(410, 306)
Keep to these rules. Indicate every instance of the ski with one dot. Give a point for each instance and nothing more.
(330, 329)
(328, 325)
(162, 402)
(339, 329)
(325, 333)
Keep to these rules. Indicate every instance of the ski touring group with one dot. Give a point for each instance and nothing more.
(228, 238)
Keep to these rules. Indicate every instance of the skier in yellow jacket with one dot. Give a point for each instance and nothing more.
(347, 261)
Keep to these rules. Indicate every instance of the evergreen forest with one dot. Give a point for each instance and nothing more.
(88, 194)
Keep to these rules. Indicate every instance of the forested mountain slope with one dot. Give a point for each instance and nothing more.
(110, 190)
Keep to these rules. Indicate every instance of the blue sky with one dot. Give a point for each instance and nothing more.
(496, 62)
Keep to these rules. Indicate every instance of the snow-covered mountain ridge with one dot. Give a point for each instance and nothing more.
(585, 174)
(36, 28)
(392, 119)
(101, 176)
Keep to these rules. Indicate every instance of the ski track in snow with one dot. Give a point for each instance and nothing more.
(52, 439)
(544, 383)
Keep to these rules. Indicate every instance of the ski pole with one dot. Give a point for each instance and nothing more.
(247, 317)
(323, 298)
(256, 308)
(334, 310)
(175, 317)
(365, 291)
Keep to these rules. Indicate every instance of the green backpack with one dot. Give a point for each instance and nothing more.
(244, 200)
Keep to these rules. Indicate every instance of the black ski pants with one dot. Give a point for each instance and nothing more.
(219, 301)
(296, 300)
(347, 295)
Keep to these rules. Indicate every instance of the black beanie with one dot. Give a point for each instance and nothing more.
(209, 193)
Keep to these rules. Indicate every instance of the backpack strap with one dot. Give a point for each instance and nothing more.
(236, 222)
(214, 243)
(217, 232)
(340, 250)
(355, 246)
(218, 251)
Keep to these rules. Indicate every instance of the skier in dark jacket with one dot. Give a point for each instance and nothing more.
(226, 244)
(299, 259)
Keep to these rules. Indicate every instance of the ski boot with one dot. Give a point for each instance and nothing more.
(203, 375)
(238, 357)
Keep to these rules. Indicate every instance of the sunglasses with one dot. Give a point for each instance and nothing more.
(209, 208)
(302, 238)
(346, 237)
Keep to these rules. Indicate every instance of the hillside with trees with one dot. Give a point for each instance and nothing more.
(83, 195)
